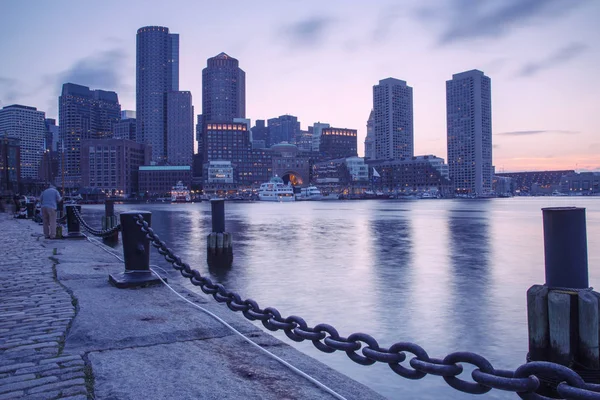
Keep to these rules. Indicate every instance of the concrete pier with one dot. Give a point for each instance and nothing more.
(66, 333)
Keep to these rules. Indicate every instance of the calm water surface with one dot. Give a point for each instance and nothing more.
(449, 275)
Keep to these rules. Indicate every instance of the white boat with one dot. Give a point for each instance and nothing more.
(309, 193)
(276, 190)
(180, 193)
(330, 196)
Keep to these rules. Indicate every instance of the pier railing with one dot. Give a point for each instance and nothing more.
(563, 360)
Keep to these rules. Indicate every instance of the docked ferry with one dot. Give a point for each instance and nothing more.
(276, 190)
(309, 193)
(180, 193)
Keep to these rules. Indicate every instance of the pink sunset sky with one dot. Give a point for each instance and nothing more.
(318, 60)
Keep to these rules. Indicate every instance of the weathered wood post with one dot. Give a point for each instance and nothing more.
(136, 252)
(73, 228)
(562, 314)
(109, 221)
(219, 251)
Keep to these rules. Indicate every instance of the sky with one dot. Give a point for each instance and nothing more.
(318, 60)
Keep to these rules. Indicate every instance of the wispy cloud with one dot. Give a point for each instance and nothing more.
(385, 22)
(561, 56)
(527, 133)
(102, 71)
(465, 20)
(306, 33)
(8, 90)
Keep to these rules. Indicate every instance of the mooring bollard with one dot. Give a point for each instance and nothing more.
(73, 229)
(562, 314)
(109, 221)
(136, 252)
(219, 252)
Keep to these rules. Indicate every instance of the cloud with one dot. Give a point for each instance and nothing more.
(561, 56)
(466, 20)
(306, 33)
(528, 133)
(8, 90)
(385, 22)
(99, 71)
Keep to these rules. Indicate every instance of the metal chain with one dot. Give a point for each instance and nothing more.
(525, 381)
(96, 232)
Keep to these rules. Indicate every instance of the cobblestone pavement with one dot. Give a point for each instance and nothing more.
(35, 314)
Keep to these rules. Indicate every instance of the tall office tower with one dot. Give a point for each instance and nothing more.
(157, 73)
(125, 129)
(51, 134)
(26, 124)
(338, 143)
(469, 124)
(223, 90)
(393, 119)
(283, 129)
(180, 128)
(83, 114)
(260, 131)
(370, 138)
(317, 129)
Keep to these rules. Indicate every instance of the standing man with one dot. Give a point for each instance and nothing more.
(49, 200)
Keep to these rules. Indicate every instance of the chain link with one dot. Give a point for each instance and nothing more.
(96, 232)
(525, 381)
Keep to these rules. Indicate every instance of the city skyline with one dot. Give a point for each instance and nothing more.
(322, 65)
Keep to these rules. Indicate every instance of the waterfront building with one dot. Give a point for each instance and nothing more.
(503, 185)
(51, 134)
(583, 183)
(157, 73)
(260, 131)
(180, 128)
(358, 169)
(83, 114)
(393, 120)
(525, 181)
(316, 131)
(219, 172)
(412, 175)
(469, 124)
(10, 163)
(283, 129)
(111, 165)
(370, 138)
(223, 90)
(158, 180)
(125, 129)
(290, 165)
(338, 143)
(28, 125)
(333, 173)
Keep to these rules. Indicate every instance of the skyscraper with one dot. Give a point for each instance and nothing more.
(223, 90)
(317, 129)
(83, 114)
(469, 124)
(393, 119)
(157, 72)
(180, 128)
(28, 125)
(370, 138)
(283, 129)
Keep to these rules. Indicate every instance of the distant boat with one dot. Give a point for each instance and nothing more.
(309, 193)
(276, 190)
(180, 193)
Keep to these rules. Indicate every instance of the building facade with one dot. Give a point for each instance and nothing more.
(83, 114)
(260, 131)
(180, 128)
(157, 73)
(525, 181)
(52, 134)
(583, 183)
(370, 138)
(304, 141)
(290, 165)
(28, 125)
(223, 90)
(316, 131)
(412, 175)
(125, 129)
(284, 128)
(469, 125)
(158, 180)
(10, 164)
(338, 143)
(393, 119)
(112, 165)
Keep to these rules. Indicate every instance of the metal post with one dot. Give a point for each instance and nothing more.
(73, 223)
(565, 247)
(109, 208)
(110, 221)
(136, 251)
(218, 215)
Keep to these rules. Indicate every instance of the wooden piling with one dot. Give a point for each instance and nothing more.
(559, 319)
(537, 320)
(587, 352)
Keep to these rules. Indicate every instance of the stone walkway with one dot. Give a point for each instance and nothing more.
(35, 315)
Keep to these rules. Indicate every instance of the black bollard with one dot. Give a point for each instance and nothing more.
(136, 251)
(565, 247)
(219, 251)
(217, 207)
(73, 223)
(110, 221)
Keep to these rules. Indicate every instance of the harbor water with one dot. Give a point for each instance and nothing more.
(449, 275)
